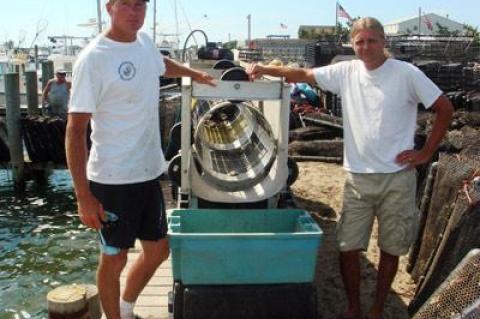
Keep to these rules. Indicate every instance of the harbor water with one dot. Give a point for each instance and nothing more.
(43, 245)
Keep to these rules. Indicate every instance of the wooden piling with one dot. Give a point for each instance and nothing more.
(93, 302)
(67, 302)
(74, 302)
(32, 92)
(12, 98)
(47, 72)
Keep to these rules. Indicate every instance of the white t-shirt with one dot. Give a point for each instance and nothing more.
(118, 83)
(379, 110)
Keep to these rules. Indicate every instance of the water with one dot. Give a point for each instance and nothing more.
(42, 245)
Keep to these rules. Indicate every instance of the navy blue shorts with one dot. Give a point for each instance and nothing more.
(138, 210)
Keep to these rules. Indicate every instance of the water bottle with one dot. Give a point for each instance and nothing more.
(106, 249)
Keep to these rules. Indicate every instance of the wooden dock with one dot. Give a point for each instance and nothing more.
(153, 301)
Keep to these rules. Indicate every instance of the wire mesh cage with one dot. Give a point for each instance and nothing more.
(459, 295)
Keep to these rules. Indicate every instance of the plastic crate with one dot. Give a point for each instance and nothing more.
(220, 247)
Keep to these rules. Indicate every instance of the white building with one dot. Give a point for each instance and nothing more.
(427, 24)
(281, 47)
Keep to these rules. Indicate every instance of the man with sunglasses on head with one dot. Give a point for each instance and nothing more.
(116, 89)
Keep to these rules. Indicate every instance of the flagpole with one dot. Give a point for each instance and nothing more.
(419, 20)
(154, 35)
(99, 17)
(336, 19)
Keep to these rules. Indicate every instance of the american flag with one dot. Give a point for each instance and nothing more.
(428, 22)
(342, 13)
(283, 26)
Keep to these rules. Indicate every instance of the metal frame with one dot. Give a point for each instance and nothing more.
(273, 99)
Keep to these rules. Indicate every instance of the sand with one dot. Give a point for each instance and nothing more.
(319, 190)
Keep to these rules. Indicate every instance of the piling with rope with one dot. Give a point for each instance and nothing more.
(15, 144)
(32, 92)
(47, 72)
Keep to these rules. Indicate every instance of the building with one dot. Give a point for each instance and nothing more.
(316, 31)
(425, 25)
(280, 47)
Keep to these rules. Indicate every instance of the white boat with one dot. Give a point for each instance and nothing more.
(14, 62)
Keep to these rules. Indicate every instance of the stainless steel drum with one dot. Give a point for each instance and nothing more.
(234, 146)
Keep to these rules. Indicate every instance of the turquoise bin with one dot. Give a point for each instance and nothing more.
(228, 247)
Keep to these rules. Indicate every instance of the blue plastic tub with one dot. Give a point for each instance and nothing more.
(227, 247)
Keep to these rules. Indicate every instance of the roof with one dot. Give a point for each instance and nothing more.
(430, 15)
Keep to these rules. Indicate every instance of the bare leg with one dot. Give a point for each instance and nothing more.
(387, 270)
(108, 281)
(350, 270)
(152, 255)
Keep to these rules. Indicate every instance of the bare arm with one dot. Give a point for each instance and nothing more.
(444, 112)
(90, 210)
(45, 92)
(293, 75)
(176, 70)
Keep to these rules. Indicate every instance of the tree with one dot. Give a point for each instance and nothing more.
(230, 45)
(303, 34)
(443, 30)
(343, 32)
(9, 44)
(471, 31)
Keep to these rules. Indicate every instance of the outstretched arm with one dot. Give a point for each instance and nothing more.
(176, 70)
(45, 92)
(293, 75)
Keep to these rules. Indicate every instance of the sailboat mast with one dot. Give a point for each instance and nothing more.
(154, 37)
(176, 25)
(99, 17)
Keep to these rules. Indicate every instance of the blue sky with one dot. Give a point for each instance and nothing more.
(221, 20)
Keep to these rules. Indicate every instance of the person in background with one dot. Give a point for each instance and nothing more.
(56, 95)
(116, 89)
(379, 99)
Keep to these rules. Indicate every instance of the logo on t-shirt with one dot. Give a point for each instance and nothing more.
(127, 71)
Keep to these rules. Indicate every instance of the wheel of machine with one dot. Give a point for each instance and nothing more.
(235, 74)
(178, 300)
(292, 171)
(174, 170)
(174, 141)
(224, 65)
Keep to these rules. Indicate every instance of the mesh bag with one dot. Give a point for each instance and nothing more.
(459, 168)
(463, 172)
(459, 295)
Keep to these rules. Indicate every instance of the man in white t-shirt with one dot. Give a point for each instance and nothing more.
(115, 87)
(379, 98)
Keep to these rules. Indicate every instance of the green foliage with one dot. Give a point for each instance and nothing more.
(9, 44)
(344, 32)
(230, 45)
(303, 34)
(471, 31)
(443, 30)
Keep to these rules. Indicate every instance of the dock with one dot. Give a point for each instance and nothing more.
(153, 301)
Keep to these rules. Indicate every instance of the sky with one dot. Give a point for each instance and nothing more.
(29, 22)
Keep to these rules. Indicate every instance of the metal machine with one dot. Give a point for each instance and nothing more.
(234, 140)
(233, 171)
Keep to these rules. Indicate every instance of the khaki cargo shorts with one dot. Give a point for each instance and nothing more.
(388, 197)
